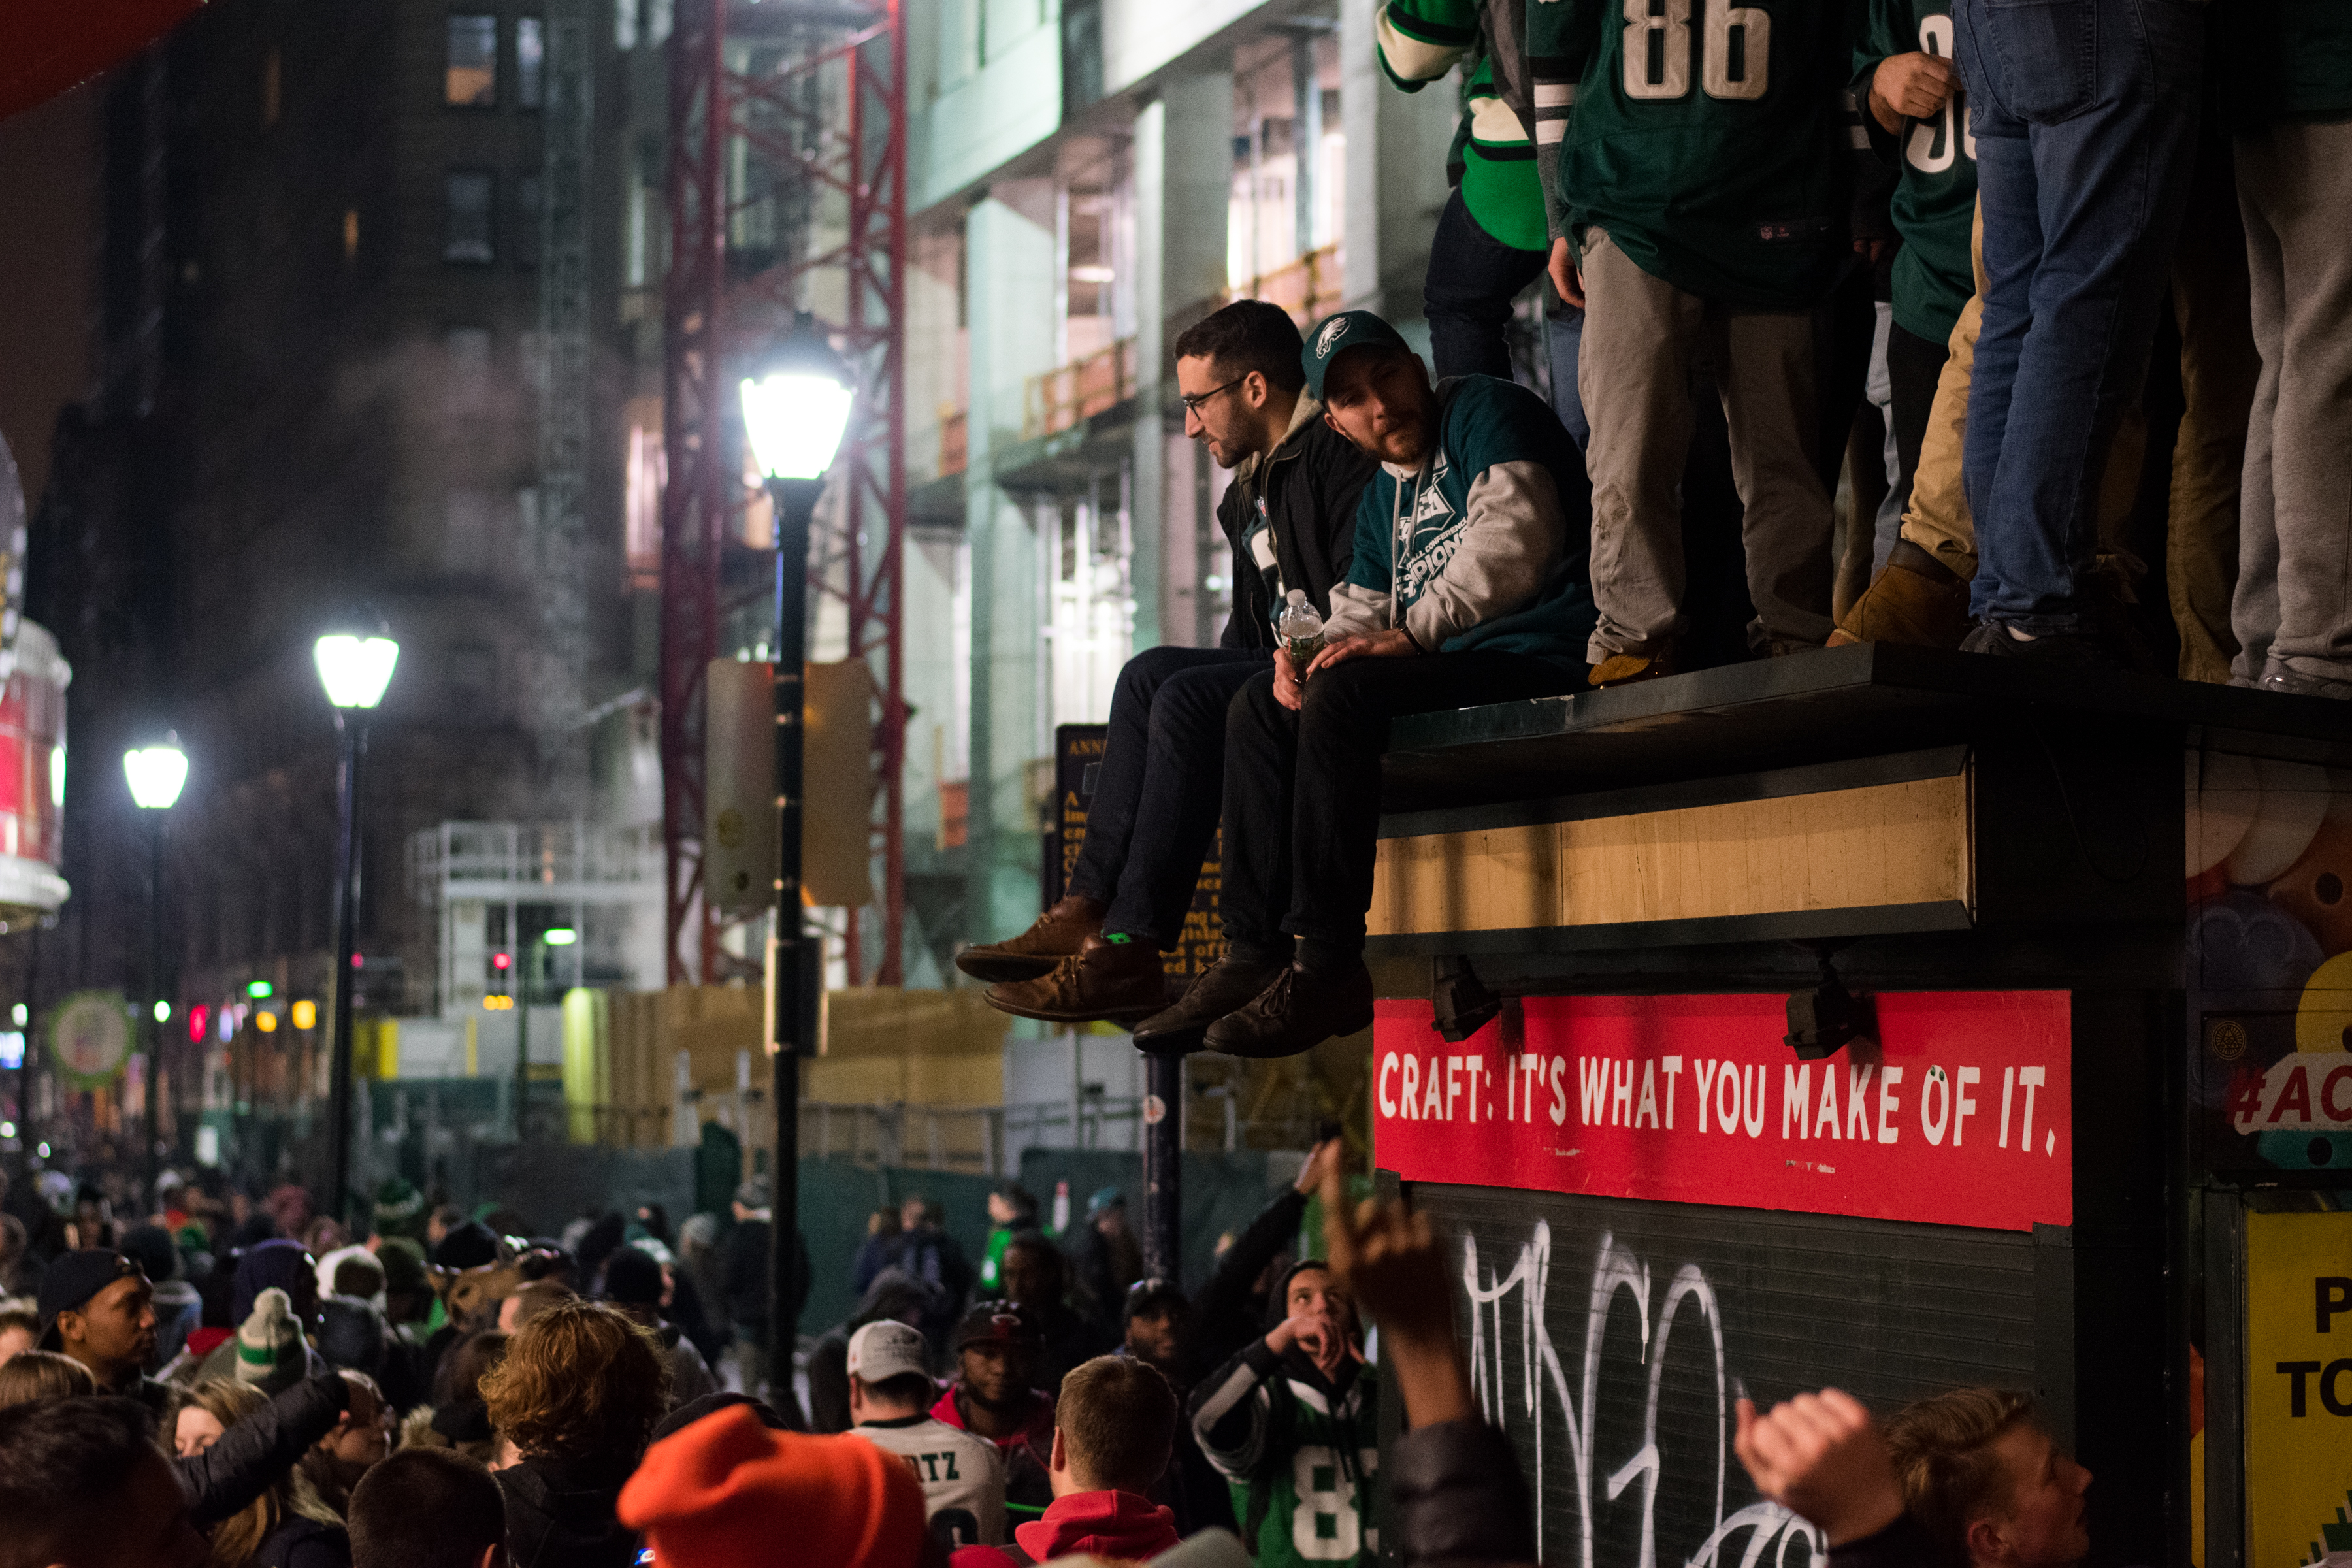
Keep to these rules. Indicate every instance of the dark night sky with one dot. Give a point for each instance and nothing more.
(47, 171)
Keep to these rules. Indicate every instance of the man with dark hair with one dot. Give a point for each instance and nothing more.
(1037, 1276)
(428, 1508)
(890, 1395)
(1288, 517)
(82, 1484)
(97, 1308)
(1112, 1431)
(995, 1395)
(1468, 583)
(639, 1285)
(1293, 1422)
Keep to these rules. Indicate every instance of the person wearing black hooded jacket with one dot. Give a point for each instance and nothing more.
(1153, 808)
(1293, 1423)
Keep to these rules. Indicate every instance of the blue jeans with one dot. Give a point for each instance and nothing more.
(2084, 113)
(1154, 809)
(1473, 279)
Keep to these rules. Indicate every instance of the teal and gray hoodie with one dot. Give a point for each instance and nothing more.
(1477, 549)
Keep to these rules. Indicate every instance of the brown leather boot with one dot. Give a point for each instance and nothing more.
(1916, 600)
(1115, 980)
(1057, 934)
(1630, 669)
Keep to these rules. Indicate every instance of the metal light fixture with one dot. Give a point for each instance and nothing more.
(796, 410)
(355, 669)
(156, 773)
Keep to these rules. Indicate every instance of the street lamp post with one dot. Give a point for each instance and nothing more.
(794, 414)
(354, 670)
(156, 775)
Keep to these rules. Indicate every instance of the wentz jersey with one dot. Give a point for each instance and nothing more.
(1935, 193)
(1299, 1455)
(1713, 141)
(961, 1473)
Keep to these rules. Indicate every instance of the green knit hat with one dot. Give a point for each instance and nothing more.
(399, 1208)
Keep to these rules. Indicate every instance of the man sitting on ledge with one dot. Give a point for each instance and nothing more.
(1289, 515)
(1469, 584)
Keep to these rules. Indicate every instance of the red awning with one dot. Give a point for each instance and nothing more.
(49, 45)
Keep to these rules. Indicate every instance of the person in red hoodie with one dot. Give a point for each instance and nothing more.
(996, 1396)
(1114, 1427)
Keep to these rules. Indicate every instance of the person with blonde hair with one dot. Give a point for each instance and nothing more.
(42, 1374)
(288, 1525)
(573, 1402)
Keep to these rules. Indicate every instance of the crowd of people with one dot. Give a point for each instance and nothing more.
(536, 1405)
(2012, 194)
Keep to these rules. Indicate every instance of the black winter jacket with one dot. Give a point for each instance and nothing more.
(561, 1513)
(252, 1454)
(1311, 482)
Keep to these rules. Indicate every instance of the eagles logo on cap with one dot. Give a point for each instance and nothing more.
(1333, 331)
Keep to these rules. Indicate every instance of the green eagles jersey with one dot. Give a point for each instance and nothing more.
(1493, 156)
(1935, 195)
(1300, 1464)
(1710, 140)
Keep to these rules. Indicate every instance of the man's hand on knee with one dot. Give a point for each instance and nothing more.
(1394, 643)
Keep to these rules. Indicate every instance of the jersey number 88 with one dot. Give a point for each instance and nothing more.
(1657, 50)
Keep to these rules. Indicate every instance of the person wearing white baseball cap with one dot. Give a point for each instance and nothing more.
(890, 1396)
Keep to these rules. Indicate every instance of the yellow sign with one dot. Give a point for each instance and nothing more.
(2298, 1387)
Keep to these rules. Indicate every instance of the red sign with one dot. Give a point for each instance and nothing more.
(1962, 1114)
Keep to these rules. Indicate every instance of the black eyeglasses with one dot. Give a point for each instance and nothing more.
(1192, 403)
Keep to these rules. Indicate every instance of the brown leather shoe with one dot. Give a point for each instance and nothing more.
(1916, 600)
(1226, 986)
(1300, 1010)
(1056, 935)
(1112, 981)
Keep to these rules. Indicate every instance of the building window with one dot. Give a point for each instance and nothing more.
(531, 62)
(471, 80)
(529, 216)
(471, 194)
(625, 24)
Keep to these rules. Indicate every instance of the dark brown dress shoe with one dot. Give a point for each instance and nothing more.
(1300, 1010)
(1108, 980)
(1226, 985)
(1057, 934)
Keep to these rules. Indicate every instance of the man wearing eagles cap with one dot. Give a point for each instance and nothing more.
(1468, 585)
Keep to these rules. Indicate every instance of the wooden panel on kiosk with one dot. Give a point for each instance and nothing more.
(1905, 843)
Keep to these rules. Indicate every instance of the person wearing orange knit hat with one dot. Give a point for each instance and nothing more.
(728, 1490)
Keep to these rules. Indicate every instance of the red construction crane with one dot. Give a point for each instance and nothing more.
(817, 111)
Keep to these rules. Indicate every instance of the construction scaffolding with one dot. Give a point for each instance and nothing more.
(786, 188)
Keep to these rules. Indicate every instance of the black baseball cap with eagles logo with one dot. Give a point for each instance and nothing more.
(1336, 334)
(998, 1322)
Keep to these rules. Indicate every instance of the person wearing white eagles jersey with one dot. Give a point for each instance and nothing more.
(890, 1395)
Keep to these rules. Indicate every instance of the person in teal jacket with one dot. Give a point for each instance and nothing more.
(1469, 584)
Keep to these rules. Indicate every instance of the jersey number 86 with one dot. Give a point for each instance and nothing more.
(1734, 58)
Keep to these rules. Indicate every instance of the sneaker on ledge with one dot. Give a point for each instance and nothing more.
(1626, 669)
(1915, 599)
(1056, 935)
(1995, 639)
(2279, 677)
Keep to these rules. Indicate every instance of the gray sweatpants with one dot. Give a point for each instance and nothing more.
(1641, 338)
(2293, 601)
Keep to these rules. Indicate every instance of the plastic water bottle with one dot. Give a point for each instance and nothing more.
(1301, 628)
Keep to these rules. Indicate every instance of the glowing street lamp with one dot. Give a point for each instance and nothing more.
(156, 775)
(794, 413)
(354, 668)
